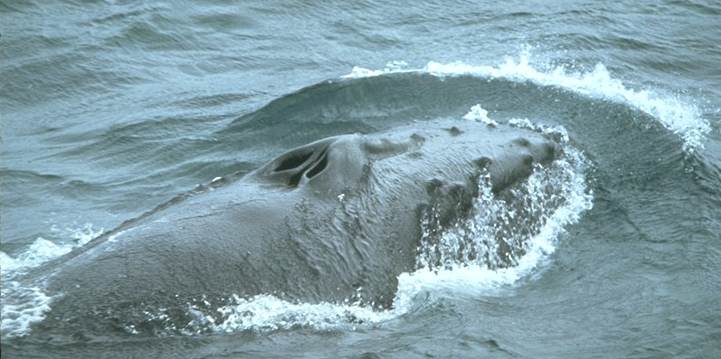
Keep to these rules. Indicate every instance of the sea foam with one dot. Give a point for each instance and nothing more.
(22, 305)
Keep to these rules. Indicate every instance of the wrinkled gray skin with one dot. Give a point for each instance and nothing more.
(315, 224)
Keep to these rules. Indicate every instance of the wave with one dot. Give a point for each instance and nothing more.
(673, 113)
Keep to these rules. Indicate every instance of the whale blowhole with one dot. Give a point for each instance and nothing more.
(319, 167)
(294, 160)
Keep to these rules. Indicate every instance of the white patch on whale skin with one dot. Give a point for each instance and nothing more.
(114, 237)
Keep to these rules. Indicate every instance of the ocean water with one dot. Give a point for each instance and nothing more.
(109, 109)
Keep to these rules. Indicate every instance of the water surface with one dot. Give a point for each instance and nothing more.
(110, 108)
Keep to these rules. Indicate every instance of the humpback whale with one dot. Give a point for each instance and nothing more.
(335, 219)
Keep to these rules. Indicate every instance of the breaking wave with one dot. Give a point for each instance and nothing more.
(673, 113)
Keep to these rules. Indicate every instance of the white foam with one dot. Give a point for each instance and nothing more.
(7, 263)
(391, 67)
(23, 306)
(40, 251)
(480, 114)
(559, 132)
(43, 250)
(266, 312)
(673, 113)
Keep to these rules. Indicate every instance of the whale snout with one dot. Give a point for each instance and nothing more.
(547, 151)
(541, 150)
(518, 164)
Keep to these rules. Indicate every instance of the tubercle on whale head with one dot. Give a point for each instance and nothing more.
(507, 170)
(542, 152)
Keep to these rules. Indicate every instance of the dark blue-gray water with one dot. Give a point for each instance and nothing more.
(111, 108)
